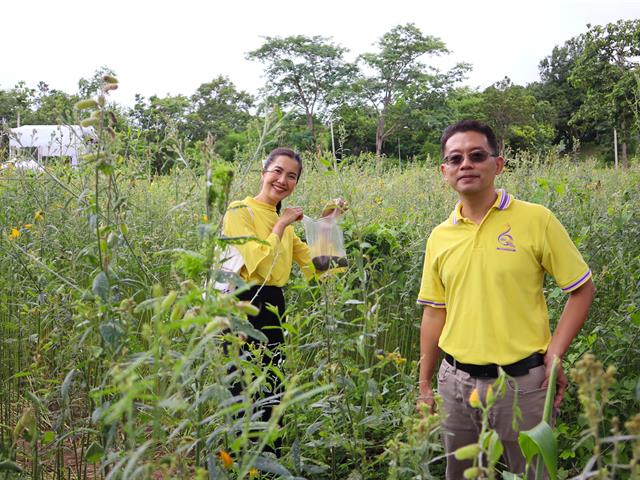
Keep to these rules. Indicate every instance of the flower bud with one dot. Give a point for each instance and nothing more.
(474, 399)
(491, 397)
(226, 459)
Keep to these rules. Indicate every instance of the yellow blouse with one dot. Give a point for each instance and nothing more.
(270, 263)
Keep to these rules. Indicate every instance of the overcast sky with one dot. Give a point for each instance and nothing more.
(172, 47)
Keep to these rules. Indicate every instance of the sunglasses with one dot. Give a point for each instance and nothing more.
(477, 156)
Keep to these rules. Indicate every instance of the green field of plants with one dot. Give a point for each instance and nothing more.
(115, 352)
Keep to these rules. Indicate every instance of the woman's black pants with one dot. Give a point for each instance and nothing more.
(269, 324)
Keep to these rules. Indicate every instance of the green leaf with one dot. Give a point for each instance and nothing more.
(95, 452)
(9, 466)
(495, 448)
(111, 333)
(540, 441)
(66, 385)
(48, 436)
(510, 476)
(240, 326)
(100, 286)
(267, 465)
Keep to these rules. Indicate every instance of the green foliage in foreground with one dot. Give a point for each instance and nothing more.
(113, 361)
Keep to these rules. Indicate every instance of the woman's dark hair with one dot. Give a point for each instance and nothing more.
(470, 126)
(287, 152)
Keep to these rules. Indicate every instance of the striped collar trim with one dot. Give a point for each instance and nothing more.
(502, 203)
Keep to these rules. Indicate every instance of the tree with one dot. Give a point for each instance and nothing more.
(605, 70)
(516, 116)
(303, 72)
(555, 88)
(396, 69)
(88, 87)
(217, 108)
(160, 122)
(52, 106)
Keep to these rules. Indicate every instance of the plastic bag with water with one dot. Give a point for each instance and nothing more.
(326, 243)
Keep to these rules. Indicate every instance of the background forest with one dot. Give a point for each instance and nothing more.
(389, 101)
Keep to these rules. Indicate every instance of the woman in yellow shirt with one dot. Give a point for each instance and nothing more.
(268, 264)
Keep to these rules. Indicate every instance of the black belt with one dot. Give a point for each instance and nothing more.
(521, 367)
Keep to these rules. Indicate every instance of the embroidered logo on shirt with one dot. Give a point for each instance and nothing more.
(505, 239)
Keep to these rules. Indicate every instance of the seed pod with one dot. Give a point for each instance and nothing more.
(187, 285)
(89, 122)
(168, 300)
(101, 100)
(217, 324)
(177, 312)
(157, 290)
(111, 132)
(471, 472)
(86, 104)
(248, 308)
(26, 422)
(467, 452)
(112, 118)
(109, 86)
(109, 79)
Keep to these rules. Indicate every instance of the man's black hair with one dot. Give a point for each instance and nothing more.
(470, 126)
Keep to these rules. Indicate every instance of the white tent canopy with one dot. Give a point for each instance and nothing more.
(51, 140)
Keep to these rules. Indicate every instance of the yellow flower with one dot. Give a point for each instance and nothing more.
(15, 233)
(396, 358)
(253, 473)
(227, 461)
(28, 226)
(474, 399)
(205, 218)
(39, 216)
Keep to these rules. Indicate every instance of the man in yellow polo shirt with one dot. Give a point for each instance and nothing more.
(483, 300)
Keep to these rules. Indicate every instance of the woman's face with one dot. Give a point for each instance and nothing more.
(279, 179)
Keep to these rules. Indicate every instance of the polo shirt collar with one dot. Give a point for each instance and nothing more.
(502, 203)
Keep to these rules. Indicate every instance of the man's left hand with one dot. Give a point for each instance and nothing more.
(561, 378)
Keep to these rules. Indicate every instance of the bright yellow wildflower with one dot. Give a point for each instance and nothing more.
(39, 216)
(15, 233)
(28, 226)
(227, 461)
(396, 358)
(474, 399)
(253, 473)
(205, 218)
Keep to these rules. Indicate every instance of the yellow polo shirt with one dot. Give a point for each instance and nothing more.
(270, 263)
(489, 277)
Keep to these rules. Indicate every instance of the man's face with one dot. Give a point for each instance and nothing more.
(469, 166)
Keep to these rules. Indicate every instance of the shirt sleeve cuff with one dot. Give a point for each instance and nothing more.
(431, 303)
(578, 283)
